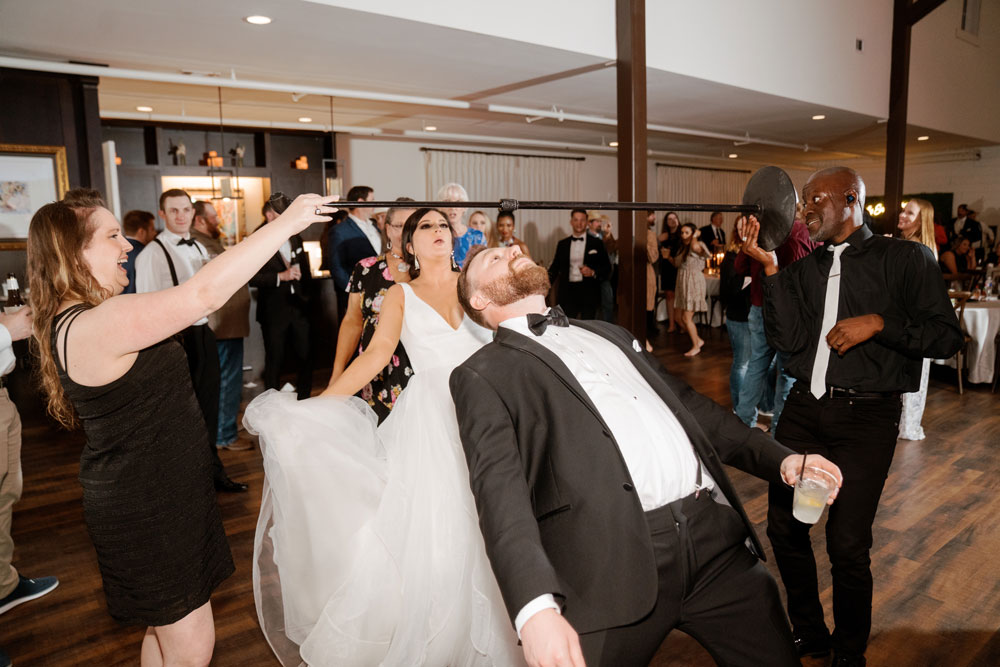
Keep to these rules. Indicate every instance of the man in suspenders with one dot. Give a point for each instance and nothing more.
(170, 259)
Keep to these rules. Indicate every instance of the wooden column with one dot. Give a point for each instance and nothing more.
(904, 15)
(895, 142)
(630, 18)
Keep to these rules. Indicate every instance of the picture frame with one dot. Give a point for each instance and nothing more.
(30, 177)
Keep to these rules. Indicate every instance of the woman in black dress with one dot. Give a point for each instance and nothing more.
(108, 361)
(670, 239)
(370, 281)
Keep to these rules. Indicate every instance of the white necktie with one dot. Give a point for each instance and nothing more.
(818, 384)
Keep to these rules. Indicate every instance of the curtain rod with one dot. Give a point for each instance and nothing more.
(684, 166)
(452, 150)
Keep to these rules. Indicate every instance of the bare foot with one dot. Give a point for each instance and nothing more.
(700, 344)
(693, 351)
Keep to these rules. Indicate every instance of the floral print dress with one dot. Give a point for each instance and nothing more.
(372, 279)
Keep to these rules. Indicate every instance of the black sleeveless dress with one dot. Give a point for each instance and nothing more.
(148, 497)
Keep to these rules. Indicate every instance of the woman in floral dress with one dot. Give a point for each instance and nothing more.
(370, 280)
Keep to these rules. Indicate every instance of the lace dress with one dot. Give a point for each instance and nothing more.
(368, 550)
(913, 408)
(690, 292)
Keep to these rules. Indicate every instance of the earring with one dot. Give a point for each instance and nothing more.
(416, 263)
(454, 264)
(388, 245)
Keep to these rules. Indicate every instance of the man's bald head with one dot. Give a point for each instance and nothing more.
(833, 203)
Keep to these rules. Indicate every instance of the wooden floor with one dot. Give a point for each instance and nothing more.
(936, 558)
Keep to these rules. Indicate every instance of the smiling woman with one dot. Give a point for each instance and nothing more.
(108, 361)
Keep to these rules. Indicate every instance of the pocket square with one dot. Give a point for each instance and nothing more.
(591, 252)
(635, 346)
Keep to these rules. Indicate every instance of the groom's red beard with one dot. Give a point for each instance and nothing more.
(518, 284)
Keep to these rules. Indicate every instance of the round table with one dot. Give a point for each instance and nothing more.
(982, 321)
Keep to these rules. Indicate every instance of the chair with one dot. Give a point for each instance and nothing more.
(959, 299)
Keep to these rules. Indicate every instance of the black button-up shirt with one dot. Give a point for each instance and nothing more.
(899, 280)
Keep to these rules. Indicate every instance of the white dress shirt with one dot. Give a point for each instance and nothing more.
(657, 451)
(577, 249)
(7, 359)
(371, 231)
(152, 273)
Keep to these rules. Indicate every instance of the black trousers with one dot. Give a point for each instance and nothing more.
(710, 586)
(859, 435)
(203, 360)
(581, 300)
(287, 334)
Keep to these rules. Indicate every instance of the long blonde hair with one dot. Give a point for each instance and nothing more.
(925, 234)
(58, 273)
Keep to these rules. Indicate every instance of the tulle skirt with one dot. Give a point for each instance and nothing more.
(368, 550)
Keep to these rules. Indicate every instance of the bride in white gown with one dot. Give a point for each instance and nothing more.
(368, 550)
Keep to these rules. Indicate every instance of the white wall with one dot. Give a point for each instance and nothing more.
(802, 50)
(955, 85)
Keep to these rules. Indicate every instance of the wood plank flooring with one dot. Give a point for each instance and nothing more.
(935, 559)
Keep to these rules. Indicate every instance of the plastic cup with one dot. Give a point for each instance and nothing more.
(811, 493)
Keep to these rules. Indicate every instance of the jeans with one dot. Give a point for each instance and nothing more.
(230, 389)
(756, 378)
(739, 340)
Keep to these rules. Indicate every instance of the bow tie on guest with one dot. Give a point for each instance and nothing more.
(189, 242)
(538, 322)
(579, 238)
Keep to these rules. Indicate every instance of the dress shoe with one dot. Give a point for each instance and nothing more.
(229, 486)
(812, 648)
(844, 660)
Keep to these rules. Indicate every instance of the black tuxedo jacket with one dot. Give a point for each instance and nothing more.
(709, 234)
(274, 299)
(595, 256)
(557, 506)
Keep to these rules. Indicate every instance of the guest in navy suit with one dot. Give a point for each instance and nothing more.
(140, 229)
(353, 240)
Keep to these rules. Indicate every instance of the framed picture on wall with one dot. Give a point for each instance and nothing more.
(30, 177)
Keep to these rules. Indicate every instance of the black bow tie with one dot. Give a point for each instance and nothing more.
(190, 242)
(538, 322)
(579, 238)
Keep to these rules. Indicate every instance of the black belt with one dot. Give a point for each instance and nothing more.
(839, 392)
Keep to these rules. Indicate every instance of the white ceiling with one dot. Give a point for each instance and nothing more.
(319, 45)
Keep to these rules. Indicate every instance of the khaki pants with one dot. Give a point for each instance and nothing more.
(10, 487)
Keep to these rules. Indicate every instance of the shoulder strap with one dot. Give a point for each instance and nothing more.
(68, 316)
(170, 262)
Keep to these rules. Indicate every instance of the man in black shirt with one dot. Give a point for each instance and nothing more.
(855, 317)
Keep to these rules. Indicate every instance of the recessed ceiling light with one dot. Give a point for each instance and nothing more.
(613, 144)
(258, 20)
(819, 116)
(923, 138)
(144, 109)
(733, 155)
(431, 128)
(305, 119)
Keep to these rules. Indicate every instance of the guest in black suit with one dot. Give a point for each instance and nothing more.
(713, 235)
(617, 513)
(850, 364)
(580, 264)
(140, 229)
(282, 307)
(354, 239)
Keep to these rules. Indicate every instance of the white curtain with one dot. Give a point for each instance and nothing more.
(700, 186)
(492, 177)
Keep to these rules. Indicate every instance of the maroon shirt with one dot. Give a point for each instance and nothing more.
(796, 246)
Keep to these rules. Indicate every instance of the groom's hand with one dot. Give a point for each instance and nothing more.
(550, 641)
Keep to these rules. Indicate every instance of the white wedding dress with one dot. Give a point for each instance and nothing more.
(368, 550)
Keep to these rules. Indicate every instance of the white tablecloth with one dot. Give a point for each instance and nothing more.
(982, 320)
(711, 290)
